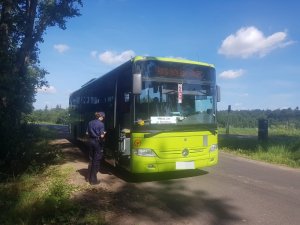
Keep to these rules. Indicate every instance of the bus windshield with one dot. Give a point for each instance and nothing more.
(176, 94)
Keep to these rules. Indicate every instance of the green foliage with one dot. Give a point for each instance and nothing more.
(41, 193)
(22, 26)
(249, 118)
(30, 145)
(35, 191)
(41, 198)
(51, 116)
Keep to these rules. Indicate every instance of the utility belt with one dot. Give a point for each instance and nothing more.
(100, 139)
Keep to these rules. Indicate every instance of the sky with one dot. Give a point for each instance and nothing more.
(254, 45)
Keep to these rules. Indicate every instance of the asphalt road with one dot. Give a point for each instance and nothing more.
(237, 191)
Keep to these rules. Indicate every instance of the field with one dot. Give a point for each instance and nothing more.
(281, 147)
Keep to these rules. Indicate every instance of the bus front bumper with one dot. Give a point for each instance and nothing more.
(141, 164)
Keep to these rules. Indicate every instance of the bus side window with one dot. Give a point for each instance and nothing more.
(126, 97)
(124, 110)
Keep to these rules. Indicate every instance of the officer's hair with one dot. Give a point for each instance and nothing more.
(97, 115)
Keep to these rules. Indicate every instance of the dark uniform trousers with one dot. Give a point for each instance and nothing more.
(95, 156)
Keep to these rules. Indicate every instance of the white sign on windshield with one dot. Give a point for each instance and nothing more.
(179, 93)
(163, 119)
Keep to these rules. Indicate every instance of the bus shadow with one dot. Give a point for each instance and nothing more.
(149, 177)
(121, 173)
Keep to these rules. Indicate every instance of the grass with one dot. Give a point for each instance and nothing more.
(39, 199)
(282, 146)
(28, 146)
(41, 194)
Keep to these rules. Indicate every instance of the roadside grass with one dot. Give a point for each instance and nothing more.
(42, 194)
(37, 198)
(282, 146)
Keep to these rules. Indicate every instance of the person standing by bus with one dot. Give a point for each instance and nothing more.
(96, 132)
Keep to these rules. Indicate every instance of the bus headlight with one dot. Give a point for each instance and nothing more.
(213, 148)
(144, 152)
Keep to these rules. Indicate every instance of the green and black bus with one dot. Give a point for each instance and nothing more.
(160, 114)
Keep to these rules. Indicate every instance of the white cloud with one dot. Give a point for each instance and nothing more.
(61, 48)
(249, 41)
(49, 90)
(232, 74)
(109, 57)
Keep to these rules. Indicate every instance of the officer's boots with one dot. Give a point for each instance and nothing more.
(93, 175)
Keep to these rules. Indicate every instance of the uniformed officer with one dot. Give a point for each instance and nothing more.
(96, 132)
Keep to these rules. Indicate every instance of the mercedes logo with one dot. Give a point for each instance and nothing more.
(185, 152)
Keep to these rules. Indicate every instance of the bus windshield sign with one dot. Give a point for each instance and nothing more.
(177, 70)
(163, 119)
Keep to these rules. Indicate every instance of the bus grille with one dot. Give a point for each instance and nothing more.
(170, 148)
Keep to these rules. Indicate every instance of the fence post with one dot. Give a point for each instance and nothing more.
(262, 129)
(227, 124)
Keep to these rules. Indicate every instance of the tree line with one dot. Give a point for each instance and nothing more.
(241, 118)
(55, 115)
(249, 118)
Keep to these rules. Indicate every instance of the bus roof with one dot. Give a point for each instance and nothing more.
(166, 59)
(145, 58)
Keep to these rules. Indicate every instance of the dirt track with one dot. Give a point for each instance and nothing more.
(115, 199)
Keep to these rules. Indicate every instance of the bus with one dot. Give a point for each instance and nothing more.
(160, 114)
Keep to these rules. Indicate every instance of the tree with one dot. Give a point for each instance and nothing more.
(22, 26)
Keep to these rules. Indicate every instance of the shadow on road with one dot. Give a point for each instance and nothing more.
(168, 201)
(121, 173)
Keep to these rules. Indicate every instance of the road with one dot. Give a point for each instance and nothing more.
(237, 191)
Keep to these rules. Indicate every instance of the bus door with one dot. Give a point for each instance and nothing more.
(123, 126)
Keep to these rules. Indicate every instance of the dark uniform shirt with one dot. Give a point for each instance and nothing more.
(95, 128)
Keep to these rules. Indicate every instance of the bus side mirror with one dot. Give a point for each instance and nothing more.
(137, 83)
(218, 89)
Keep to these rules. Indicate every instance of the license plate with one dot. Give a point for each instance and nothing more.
(185, 165)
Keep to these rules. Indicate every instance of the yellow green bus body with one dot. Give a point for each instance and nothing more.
(169, 149)
(160, 114)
